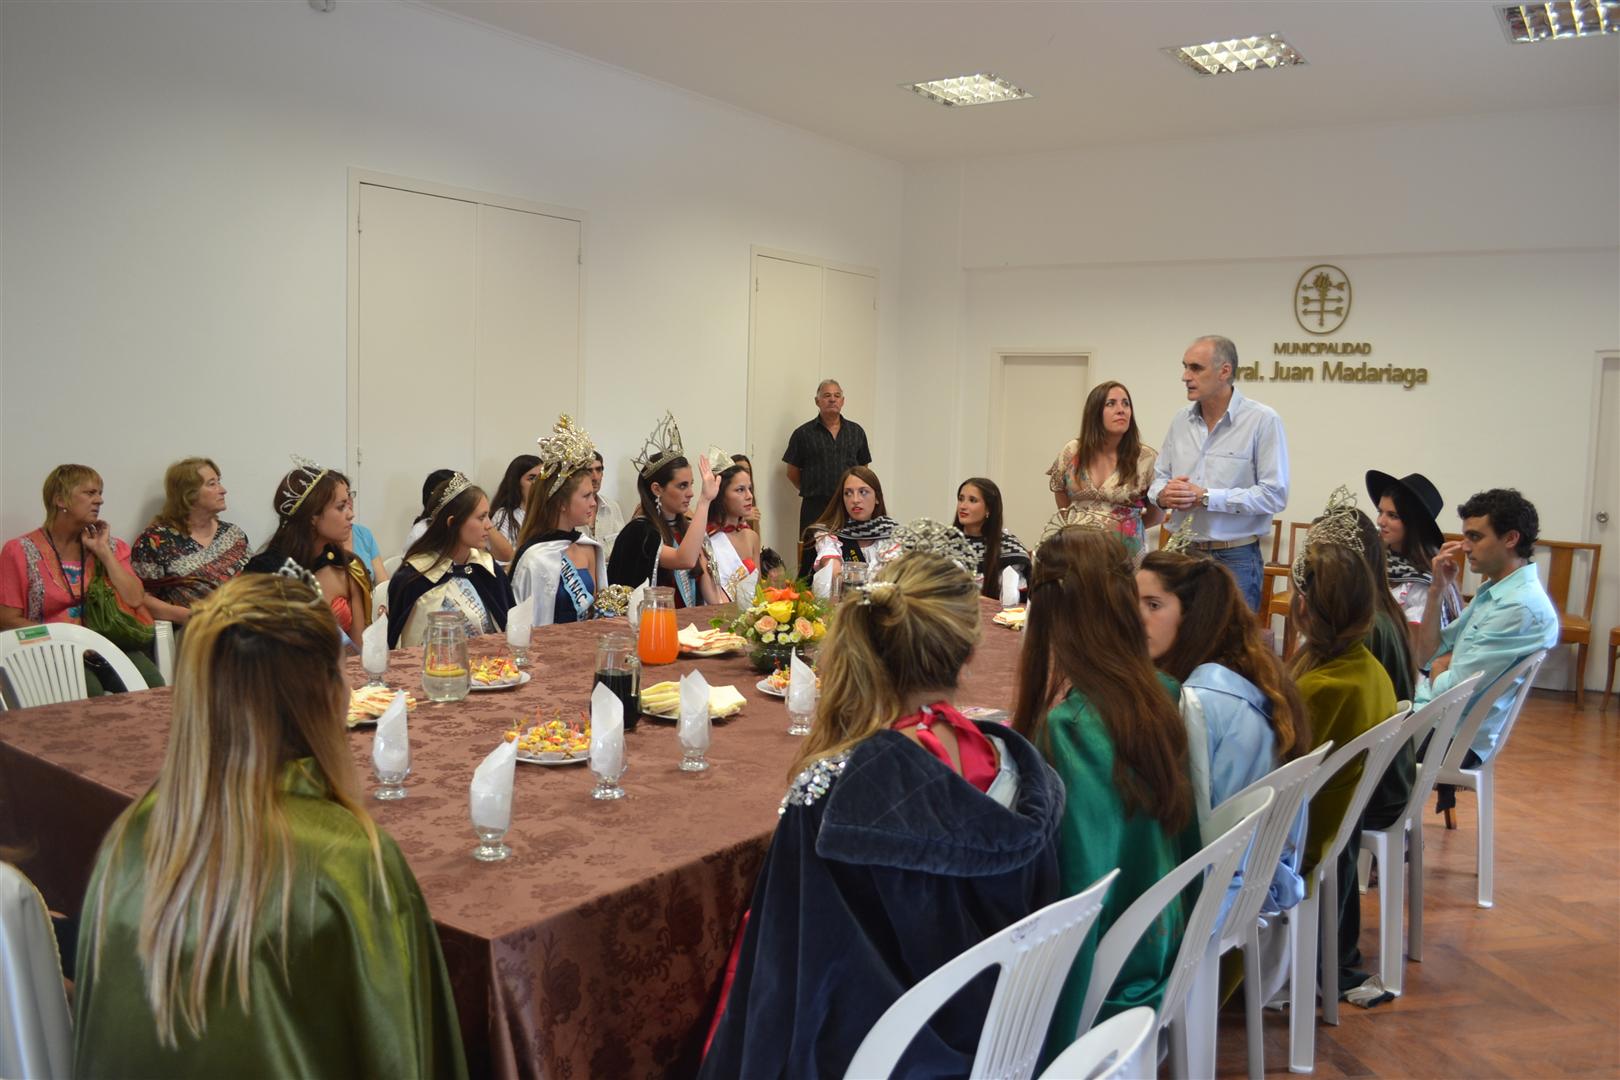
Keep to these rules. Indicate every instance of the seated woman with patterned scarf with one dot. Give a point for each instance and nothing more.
(853, 528)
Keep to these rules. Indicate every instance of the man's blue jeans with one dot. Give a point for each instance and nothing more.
(1245, 564)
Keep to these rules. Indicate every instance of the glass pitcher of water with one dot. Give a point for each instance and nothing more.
(445, 676)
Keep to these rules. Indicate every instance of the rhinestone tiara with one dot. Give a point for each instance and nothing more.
(300, 482)
(454, 486)
(661, 447)
(1181, 541)
(1339, 526)
(564, 452)
(1078, 516)
(927, 536)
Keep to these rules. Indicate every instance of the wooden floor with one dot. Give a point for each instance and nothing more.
(1530, 987)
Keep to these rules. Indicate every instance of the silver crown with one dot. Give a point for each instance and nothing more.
(1181, 541)
(1078, 516)
(564, 452)
(300, 482)
(452, 487)
(927, 536)
(719, 460)
(661, 447)
(1338, 526)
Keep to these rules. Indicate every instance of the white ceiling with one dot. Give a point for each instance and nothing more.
(833, 66)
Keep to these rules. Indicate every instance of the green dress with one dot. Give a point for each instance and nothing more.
(1344, 697)
(365, 991)
(1095, 837)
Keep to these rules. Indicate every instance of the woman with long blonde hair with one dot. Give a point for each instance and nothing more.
(246, 911)
(909, 834)
(1090, 698)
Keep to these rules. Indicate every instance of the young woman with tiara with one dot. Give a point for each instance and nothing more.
(656, 544)
(862, 896)
(734, 545)
(1345, 689)
(558, 563)
(246, 913)
(449, 568)
(1091, 700)
(314, 527)
(855, 526)
(978, 516)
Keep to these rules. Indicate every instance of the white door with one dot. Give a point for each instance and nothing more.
(784, 367)
(1035, 409)
(1603, 521)
(417, 312)
(528, 363)
(849, 347)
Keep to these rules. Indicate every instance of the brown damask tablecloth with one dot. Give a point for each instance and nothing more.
(597, 951)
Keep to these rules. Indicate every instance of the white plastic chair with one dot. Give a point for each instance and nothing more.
(1313, 925)
(392, 564)
(46, 662)
(1482, 778)
(1233, 824)
(163, 649)
(36, 1035)
(1034, 955)
(1113, 1050)
(1398, 849)
(1241, 929)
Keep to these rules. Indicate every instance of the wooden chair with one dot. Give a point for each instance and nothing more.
(1614, 652)
(1282, 603)
(1574, 628)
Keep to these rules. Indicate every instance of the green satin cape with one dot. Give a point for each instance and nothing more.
(365, 991)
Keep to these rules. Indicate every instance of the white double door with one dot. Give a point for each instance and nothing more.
(811, 321)
(467, 343)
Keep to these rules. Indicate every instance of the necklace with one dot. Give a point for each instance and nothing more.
(77, 598)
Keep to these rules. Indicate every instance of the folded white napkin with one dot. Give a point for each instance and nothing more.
(391, 745)
(374, 644)
(520, 624)
(633, 609)
(821, 584)
(1009, 587)
(693, 732)
(607, 732)
(492, 788)
(801, 694)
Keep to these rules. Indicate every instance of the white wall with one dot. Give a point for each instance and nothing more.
(1484, 248)
(173, 205)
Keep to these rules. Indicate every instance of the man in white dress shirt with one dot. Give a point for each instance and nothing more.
(1225, 462)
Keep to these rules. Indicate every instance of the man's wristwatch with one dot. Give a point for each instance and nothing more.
(1203, 500)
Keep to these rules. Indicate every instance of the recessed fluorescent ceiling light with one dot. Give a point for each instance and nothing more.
(980, 89)
(1527, 24)
(1238, 54)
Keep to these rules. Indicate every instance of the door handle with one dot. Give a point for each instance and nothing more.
(1602, 517)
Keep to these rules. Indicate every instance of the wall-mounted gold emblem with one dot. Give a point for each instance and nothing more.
(1322, 299)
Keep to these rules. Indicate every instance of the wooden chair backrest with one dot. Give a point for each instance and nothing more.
(1560, 572)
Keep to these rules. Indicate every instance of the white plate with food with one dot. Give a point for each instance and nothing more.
(704, 643)
(662, 701)
(370, 702)
(507, 684)
(765, 686)
(552, 743)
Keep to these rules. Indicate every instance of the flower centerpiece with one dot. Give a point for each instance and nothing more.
(777, 622)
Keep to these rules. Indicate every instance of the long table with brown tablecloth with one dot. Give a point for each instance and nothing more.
(598, 949)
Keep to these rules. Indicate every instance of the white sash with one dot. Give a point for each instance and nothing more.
(734, 577)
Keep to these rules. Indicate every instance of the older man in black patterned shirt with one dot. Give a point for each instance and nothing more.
(821, 450)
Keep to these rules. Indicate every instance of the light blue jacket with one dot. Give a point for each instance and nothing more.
(1506, 621)
(1230, 720)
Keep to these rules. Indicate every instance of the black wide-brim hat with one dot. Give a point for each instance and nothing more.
(1421, 493)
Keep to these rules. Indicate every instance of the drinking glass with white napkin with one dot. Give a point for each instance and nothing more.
(391, 749)
(693, 732)
(1010, 593)
(519, 629)
(607, 742)
(374, 650)
(801, 695)
(491, 802)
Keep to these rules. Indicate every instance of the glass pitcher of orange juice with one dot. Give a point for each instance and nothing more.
(656, 641)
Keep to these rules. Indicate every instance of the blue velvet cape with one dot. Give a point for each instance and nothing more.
(897, 868)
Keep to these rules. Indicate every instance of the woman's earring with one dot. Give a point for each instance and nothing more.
(658, 504)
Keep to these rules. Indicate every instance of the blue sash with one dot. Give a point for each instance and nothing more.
(688, 587)
(578, 594)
